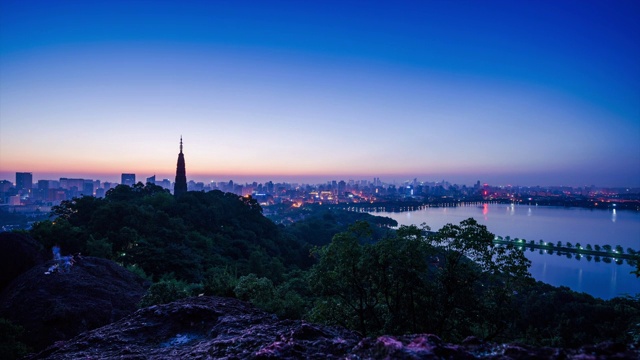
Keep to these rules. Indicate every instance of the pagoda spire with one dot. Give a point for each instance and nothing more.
(180, 186)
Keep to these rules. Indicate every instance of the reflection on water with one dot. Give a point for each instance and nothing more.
(553, 224)
(579, 280)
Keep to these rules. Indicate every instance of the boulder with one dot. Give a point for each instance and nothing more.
(18, 253)
(58, 305)
(224, 328)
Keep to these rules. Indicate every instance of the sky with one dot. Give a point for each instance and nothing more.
(505, 92)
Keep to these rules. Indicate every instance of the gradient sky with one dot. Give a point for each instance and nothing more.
(506, 92)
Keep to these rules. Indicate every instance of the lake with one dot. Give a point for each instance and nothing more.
(552, 224)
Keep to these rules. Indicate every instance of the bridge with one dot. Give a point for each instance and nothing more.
(613, 254)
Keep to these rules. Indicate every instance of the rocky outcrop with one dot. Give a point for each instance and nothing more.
(223, 328)
(62, 304)
(18, 253)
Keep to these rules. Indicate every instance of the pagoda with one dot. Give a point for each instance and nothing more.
(180, 186)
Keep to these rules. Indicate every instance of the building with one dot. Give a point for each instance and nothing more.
(128, 179)
(24, 181)
(68, 184)
(87, 188)
(165, 183)
(180, 186)
(151, 180)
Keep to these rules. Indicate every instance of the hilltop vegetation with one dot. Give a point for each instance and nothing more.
(359, 274)
(146, 227)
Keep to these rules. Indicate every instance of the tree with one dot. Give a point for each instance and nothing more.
(468, 257)
(260, 291)
(343, 277)
(165, 291)
(401, 274)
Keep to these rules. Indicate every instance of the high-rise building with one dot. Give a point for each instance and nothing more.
(87, 188)
(24, 181)
(128, 179)
(67, 183)
(165, 183)
(151, 180)
(180, 186)
(42, 191)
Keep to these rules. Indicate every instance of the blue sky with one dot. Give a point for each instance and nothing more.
(505, 92)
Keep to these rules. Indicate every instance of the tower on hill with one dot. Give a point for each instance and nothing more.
(180, 186)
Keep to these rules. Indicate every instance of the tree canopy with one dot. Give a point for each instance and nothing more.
(335, 267)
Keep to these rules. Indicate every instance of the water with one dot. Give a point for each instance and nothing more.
(553, 224)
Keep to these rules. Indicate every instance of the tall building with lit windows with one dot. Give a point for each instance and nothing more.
(24, 181)
(128, 179)
(180, 186)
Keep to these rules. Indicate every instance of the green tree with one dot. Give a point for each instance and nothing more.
(99, 247)
(283, 300)
(344, 279)
(259, 291)
(167, 290)
(401, 273)
(469, 256)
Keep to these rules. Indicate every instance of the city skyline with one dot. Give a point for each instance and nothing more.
(116, 179)
(506, 93)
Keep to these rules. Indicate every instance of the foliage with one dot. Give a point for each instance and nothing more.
(168, 290)
(560, 317)
(220, 282)
(475, 278)
(453, 283)
(10, 346)
(145, 226)
(283, 300)
(317, 225)
(359, 274)
(343, 276)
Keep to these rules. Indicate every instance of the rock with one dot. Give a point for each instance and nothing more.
(18, 253)
(60, 305)
(223, 328)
